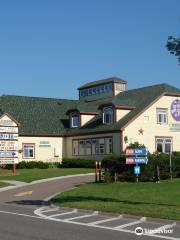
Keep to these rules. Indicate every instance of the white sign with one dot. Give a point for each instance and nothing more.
(8, 136)
(6, 122)
(9, 161)
(8, 145)
(8, 140)
(9, 129)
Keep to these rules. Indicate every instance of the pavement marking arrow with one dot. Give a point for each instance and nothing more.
(22, 194)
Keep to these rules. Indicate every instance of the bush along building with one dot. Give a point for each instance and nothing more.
(106, 118)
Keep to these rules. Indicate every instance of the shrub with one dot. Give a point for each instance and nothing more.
(77, 163)
(116, 166)
(33, 164)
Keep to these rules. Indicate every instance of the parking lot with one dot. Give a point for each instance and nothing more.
(155, 228)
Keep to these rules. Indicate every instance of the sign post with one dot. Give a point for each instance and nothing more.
(135, 157)
(137, 170)
(8, 141)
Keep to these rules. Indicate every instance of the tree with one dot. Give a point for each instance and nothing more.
(173, 46)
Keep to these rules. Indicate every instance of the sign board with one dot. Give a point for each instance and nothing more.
(8, 140)
(175, 110)
(137, 151)
(8, 136)
(136, 160)
(8, 154)
(44, 144)
(174, 127)
(8, 129)
(137, 170)
(8, 160)
(8, 145)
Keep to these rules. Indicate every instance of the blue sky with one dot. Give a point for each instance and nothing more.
(49, 48)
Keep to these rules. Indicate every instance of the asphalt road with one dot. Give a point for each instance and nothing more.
(19, 222)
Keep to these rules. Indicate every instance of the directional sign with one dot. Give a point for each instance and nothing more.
(8, 154)
(8, 160)
(8, 136)
(141, 160)
(8, 129)
(8, 145)
(137, 170)
(129, 160)
(136, 160)
(137, 151)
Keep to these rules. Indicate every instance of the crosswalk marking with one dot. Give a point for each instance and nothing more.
(105, 220)
(120, 228)
(50, 210)
(143, 219)
(61, 214)
(83, 216)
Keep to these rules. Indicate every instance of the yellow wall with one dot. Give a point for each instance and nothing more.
(44, 153)
(85, 119)
(120, 113)
(148, 122)
(116, 144)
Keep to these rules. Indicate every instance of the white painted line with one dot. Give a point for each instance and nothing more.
(38, 212)
(164, 227)
(106, 220)
(62, 214)
(143, 219)
(21, 214)
(83, 216)
(50, 210)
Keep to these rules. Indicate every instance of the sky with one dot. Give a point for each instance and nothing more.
(49, 48)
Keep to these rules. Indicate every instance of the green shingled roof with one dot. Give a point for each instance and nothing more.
(103, 81)
(48, 116)
(139, 98)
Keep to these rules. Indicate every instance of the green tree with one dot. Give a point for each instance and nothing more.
(173, 46)
(136, 145)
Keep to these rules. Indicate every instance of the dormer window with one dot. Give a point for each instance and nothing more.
(108, 115)
(74, 120)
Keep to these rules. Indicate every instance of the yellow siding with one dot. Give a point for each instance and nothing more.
(147, 121)
(47, 154)
(85, 119)
(120, 113)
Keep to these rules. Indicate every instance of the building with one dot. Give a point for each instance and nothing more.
(106, 118)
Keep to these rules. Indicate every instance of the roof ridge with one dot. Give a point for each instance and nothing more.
(33, 97)
(146, 87)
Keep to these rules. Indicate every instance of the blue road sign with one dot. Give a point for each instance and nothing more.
(142, 151)
(137, 170)
(140, 160)
(136, 151)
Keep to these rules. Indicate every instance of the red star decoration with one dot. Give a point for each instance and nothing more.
(141, 131)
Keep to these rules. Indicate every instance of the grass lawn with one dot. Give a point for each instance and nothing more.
(146, 199)
(2, 184)
(29, 175)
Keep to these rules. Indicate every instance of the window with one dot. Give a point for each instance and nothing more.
(162, 116)
(108, 145)
(164, 144)
(74, 120)
(108, 115)
(98, 146)
(96, 90)
(28, 151)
